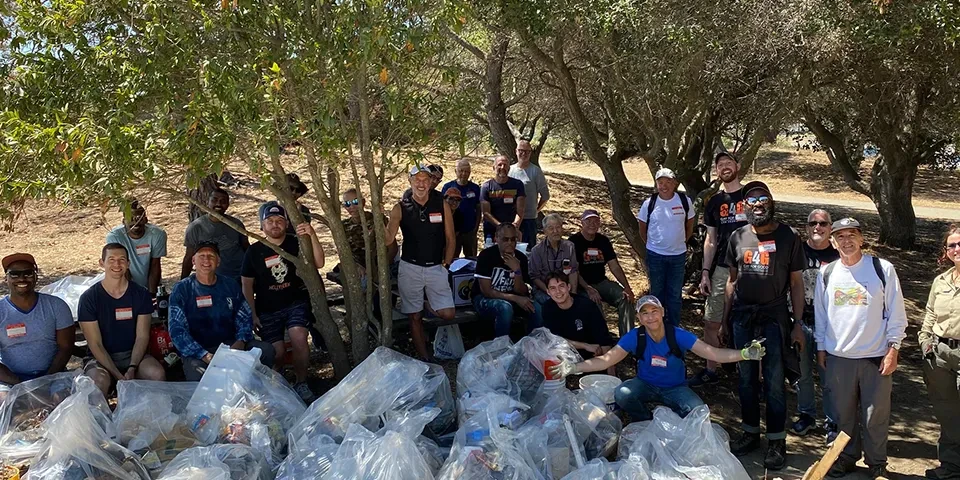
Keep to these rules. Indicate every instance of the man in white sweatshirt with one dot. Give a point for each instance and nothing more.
(860, 322)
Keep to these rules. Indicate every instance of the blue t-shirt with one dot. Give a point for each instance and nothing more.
(204, 316)
(658, 367)
(28, 340)
(117, 317)
(470, 198)
(503, 201)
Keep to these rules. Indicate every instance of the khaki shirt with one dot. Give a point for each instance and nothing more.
(942, 316)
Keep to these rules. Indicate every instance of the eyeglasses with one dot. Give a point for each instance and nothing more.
(452, 199)
(349, 203)
(21, 273)
(524, 152)
(508, 239)
(757, 200)
(822, 224)
(953, 246)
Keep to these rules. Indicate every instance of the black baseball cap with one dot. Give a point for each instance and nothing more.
(756, 184)
(718, 156)
(207, 244)
(846, 224)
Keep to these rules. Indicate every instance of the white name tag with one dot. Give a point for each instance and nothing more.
(204, 301)
(272, 261)
(768, 246)
(593, 252)
(471, 195)
(124, 313)
(657, 361)
(143, 249)
(678, 210)
(741, 217)
(508, 200)
(16, 330)
(436, 217)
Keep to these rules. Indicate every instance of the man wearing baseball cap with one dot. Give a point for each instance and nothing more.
(595, 254)
(278, 297)
(766, 262)
(36, 329)
(469, 208)
(860, 322)
(453, 198)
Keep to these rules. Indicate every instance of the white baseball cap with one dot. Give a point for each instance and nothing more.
(665, 172)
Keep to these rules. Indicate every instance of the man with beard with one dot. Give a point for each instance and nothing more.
(469, 209)
(723, 215)
(145, 242)
(766, 260)
(501, 283)
(278, 297)
(502, 199)
(36, 329)
(208, 228)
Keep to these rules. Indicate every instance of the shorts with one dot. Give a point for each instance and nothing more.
(274, 324)
(713, 305)
(414, 280)
(120, 359)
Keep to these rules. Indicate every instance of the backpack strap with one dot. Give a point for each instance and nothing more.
(650, 205)
(883, 282)
(641, 342)
(669, 331)
(685, 201)
(826, 274)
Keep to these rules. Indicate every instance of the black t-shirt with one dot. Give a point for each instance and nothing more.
(582, 322)
(275, 281)
(764, 264)
(592, 256)
(117, 317)
(490, 265)
(815, 259)
(724, 212)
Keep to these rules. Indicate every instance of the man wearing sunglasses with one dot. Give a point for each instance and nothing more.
(766, 261)
(453, 198)
(36, 329)
(500, 289)
(146, 243)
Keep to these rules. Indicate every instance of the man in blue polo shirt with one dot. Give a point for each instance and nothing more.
(207, 310)
(469, 208)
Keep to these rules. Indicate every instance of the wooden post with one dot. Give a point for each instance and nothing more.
(820, 468)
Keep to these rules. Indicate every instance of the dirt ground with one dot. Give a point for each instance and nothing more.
(68, 241)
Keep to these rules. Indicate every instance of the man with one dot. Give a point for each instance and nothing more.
(207, 310)
(146, 243)
(765, 259)
(535, 185)
(207, 228)
(114, 315)
(298, 189)
(553, 255)
(428, 242)
(818, 251)
(437, 172)
(501, 198)
(279, 298)
(861, 321)
(500, 288)
(723, 215)
(36, 329)
(466, 240)
(594, 254)
(353, 225)
(453, 197)
(666, 223)
(575, 318)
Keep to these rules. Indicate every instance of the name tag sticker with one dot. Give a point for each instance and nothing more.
(272, 261)
(16, 330)
(677, 210)
(741, 217)
(658, 361)
(143, 249)
(204, 301)
(593, 252)
(436, 217)
(507, 200)
(124, 313)
(471, 195)
(768, 246)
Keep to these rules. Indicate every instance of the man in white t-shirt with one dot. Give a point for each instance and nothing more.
(860, 322)
(666, 223)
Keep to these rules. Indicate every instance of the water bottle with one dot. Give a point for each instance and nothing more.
(163, 302)
(488, 242)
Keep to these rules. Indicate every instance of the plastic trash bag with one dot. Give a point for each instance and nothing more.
(151, 419)
(597, 469)
(78, 445)
(448, 343)
(24, 409)
(70, 288)
(629, 436)
(240, 401)
(217, 462)
(310, 459)
(691, 447)
(392, 453)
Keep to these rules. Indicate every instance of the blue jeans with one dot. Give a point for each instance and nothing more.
(806, 396)
(633, 395)
(666, 282)
(773, 379)
(528, 232)
(502, 313)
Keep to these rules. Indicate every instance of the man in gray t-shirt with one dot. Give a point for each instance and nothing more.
(145, 243)
(207, 228)
(535, 186)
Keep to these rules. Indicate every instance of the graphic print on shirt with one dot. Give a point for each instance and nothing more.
(757, 261)
(279, 271)
(579, 324)
(502, 280)
(850, 294)
(593, 256)
(732, 213)
(507, 195)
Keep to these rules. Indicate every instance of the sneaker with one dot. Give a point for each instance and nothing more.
(705, 377)
(842, 467)
(803, 424)
(832, 432)
(940, 473)
(878, 472)
(747, 443)
(776, 457)
(304, 391)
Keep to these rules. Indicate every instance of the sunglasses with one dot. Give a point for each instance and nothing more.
(822, 224)
(508, 239)
(452, 199)
(953, 246)
(349, 203)
(21, 273)
(757, 200)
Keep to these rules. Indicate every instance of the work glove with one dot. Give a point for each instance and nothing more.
(754, 351)
(926, 348)
(564, 369)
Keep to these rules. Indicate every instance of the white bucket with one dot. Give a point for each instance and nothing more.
(603, 386)
(550, 386)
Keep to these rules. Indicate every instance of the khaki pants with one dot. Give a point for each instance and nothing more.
(940, 374)
(861, 402)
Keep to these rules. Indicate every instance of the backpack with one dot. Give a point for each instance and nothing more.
(684, 200)
(876, 267)
(671, 334)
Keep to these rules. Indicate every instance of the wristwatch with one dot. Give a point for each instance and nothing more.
(894, 345)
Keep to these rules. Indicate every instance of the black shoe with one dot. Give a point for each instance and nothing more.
(747, 443)
(704, 377)
(803, 424)
(878, 472)
(941, 473)
(776, 457)
(842, 467)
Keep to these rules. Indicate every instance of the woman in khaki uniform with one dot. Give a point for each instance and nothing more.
(940, 343)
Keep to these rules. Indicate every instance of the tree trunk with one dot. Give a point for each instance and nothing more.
(892, 192)
(201, 194)
(494, 106)
(619, 189)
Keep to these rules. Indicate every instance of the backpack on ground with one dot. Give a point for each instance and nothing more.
(876, 267)
(669, 331)
(684, 200)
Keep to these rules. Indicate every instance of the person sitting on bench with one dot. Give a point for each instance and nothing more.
(501, 283)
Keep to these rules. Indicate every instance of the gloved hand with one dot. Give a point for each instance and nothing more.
(754, 351)
(564, 369)
(926, 348)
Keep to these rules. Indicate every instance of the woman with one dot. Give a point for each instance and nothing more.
(661, 373)
(940, 344)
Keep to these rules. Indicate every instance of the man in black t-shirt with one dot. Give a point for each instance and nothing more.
(594, 254)
(575, 318)
(501, 283)
(276, 294)
(765, 260)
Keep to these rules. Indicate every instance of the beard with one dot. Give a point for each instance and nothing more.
(728, 177)
(763, 219)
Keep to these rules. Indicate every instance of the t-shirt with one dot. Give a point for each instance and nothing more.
(276, 284)
(724, 211)
(582, 322)
(667, 225)
(815, 259)
(592, 256)
(203, 229)
(28, 340)
(470, 198)
(658, 367)
(116, 317)
(534, 184)
(490, 265)
(503, 201)
(204, 316)
(141, 251)
(764, 263)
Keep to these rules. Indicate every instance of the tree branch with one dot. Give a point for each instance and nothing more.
(465, 44)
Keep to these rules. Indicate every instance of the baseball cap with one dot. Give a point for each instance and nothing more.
(649, 300)
(417, 168)
(589, 213)
(207, 244)
(718, 156)
(17, 257)
(845, 224)
(755, 185)
(271, 209)
(453, 192)
(435, 170)
(665, 172)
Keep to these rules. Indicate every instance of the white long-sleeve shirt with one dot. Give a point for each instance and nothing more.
(851, 321)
